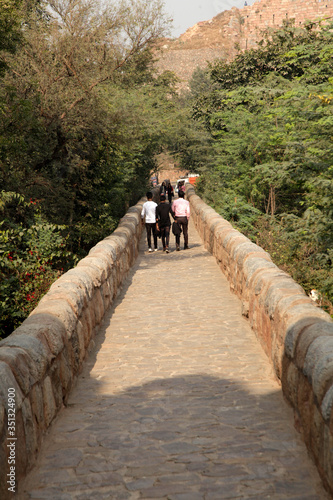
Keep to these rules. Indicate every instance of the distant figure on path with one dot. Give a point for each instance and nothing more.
(163, 223)
(170, 192)
(181, 210)
(148, 216)
(182, 188)
(163, 188)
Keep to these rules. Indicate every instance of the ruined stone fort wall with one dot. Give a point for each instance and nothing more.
(273, 13)
(233, 30)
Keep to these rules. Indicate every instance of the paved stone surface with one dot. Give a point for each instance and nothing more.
(177, 400)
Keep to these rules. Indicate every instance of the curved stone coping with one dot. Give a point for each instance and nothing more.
(295, 333)
(42, 358)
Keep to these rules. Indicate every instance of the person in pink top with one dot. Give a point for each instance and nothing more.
(181, 211)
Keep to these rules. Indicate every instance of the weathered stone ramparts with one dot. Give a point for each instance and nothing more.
(42, 358)
(233, 31)
(296, 334)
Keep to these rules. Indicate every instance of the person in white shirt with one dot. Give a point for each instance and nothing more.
(181, 211)
(148, 216)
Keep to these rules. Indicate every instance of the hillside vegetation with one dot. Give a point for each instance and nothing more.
(82, 116)
(269, 170)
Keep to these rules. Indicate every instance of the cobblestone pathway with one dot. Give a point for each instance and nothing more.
(177, 401)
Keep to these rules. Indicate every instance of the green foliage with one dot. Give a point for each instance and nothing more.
(291, 52)
(10, 35)
(71, 128)
(82, 117)
(32, 255)
(290, 242)
(269, 116)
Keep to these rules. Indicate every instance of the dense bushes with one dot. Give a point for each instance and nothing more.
(32, 255)
(82, 116)
(269, 114)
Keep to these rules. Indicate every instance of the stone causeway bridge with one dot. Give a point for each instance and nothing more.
(203, 374)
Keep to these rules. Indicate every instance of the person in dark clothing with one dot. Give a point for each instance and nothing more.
(170, 192)
(163, 211)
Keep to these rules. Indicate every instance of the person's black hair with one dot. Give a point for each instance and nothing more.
(181, 194)
(149, 195)
(162, 197)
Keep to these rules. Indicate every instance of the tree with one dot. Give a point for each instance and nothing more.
(10, 35)
(82, 118)
(269, 115)
(59, 93)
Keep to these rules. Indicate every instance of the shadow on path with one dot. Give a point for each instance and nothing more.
(191, 437)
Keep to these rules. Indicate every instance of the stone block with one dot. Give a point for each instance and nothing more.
(305, 405)
(84, 338)
(246, 251)
(48, 329)
(37, 405)
(106, 293)
(36, 350)
(92, 271)
(108, 249)
(80, 278)
(252, 268)
(279, 289)
(327, 407)
(317, 435)
(81, 340)
(21, 365)
(103, 258)
(65, 374)
(74, 353)
(309, 335)
(261, 280)
(100, 264)
(96, 306)
(289, 381)
(22, 457)
(116, 244)
(54, 374)
(327, 463)
(277, 354)
(49, 404)
(72, 293)
(30, 430)
(318, 365)
(293, 331)
(121, 239)
(59, 308)
(86, 326)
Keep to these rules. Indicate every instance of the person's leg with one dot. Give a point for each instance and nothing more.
(167, 236)
(182, 221)
(154, 235)
(148, 230)
(185, 232)
(163, 237)
(177, 241)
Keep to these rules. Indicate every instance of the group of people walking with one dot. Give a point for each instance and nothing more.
(156, 217)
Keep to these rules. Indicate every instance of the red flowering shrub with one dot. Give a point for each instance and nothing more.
(32, 256)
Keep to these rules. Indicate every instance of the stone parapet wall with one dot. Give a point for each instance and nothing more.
(296, 334)
(42, 358)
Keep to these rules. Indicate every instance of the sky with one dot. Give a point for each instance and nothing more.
(186, 13)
